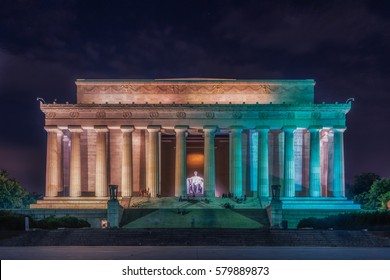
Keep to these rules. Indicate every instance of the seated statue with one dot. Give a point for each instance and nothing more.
(195, 184)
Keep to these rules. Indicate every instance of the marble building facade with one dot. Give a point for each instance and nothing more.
(149, 136)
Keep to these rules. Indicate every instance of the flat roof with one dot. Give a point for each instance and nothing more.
(195, 80)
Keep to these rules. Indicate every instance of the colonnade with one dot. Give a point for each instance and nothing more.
(53, 166)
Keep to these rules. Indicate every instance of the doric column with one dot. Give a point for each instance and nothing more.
(180, 160)
(75, 161)
(127, 160)
(289, 168)
(263, 175)
(315, 163)
(338, 162)
(60, 187)
(209, 160)
(236, 161)
(153, 163)
(101, 161)
(52, 161)
(254, 161)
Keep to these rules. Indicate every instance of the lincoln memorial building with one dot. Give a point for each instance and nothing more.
(235, 138)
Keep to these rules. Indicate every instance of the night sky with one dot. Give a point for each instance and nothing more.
(46, 45)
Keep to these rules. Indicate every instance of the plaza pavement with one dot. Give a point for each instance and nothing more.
(192, 253)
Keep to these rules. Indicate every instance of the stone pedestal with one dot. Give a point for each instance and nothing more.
(114, 213)
(275, 213)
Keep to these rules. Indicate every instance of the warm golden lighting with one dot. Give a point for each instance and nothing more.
(195, 160)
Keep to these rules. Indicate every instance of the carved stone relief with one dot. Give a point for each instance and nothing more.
(74, 115)
(181, 115)
(210, 115)
(316, 115)
(101, 114)
(154, 114)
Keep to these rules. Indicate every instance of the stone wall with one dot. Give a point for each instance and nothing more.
(92, 216)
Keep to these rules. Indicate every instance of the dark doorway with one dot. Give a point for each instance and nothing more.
(168, 143)
(195, 162)
(221, 165)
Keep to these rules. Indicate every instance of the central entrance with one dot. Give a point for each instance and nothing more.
(194, 163)
(195, 166)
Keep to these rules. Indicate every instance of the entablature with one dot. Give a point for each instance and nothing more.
(303, 115)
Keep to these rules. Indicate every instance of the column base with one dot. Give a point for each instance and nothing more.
(275, 213)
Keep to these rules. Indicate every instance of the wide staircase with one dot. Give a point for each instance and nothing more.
(194, 218)
(170, 212)
(196, 237)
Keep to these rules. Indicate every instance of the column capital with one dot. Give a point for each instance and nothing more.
(100, 128)
(339, 128)
(262, 128)
(52, 128)
(289, 128)
(75, 128)
(236, 128)
(153, 128)
(181, 128)
(127, 128)
(210, 128)
(314, 128)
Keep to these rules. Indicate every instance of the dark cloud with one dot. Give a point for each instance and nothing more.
(343, 45)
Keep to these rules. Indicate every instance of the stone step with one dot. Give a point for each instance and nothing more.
(198, 218)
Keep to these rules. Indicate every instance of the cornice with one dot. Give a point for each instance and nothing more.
(223, 107)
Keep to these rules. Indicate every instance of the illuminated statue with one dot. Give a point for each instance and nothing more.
(195, 184)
